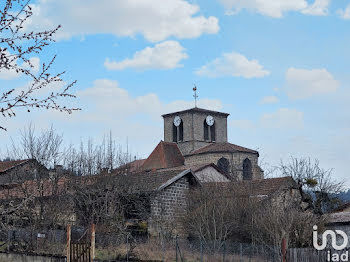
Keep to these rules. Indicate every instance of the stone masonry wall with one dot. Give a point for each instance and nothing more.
(235, 159)
(168, 205)
(194, 131)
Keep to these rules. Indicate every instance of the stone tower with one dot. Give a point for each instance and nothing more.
(195, 128)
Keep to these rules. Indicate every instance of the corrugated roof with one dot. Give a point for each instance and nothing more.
(165, 155)
(197, 109)
(6, 165)
(222, 147)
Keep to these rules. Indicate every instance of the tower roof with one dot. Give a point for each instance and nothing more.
(165, 155)
(222, 147)
(197, 109)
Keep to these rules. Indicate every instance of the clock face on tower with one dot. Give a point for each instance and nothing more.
(209, 120)
(177, 121)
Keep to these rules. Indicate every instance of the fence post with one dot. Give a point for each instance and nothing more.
(176, 248)
(284, 250)
(127, 247)
(240, 252)
(201, 250)
(68, 242)
(224, 252)
(93, 236)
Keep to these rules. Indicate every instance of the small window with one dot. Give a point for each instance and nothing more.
(209, 132)
(178, 132)
(206, 131)
(174, 133)
(247, 169)
(224, 165)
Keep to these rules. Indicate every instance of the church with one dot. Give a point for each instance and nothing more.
(196, 138)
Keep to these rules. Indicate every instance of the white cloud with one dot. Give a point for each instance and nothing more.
(9, 74)
(233, 64)
(269, 100)
(303, 83)
(283, 118)
(276, 8)
(106, 99)
(155, 20)
(345, 14)
(319, 7)
(165, 55)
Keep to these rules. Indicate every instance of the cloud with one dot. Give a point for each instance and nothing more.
(269, 100)
(165, 55)
(345, 14)
(276, 8)
(319, 7)
(232, 64)
(106, 99)
(303, 83)
(155, 20)
(283, 118)
(9, 74)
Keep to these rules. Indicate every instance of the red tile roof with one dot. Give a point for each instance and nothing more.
(222, 147)
(6, 165)
(165, 155)
(131, 167)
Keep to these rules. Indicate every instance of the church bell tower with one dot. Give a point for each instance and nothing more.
(194, 128)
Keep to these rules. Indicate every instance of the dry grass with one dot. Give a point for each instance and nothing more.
(153, 251)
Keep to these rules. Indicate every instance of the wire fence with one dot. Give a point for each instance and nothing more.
(115, 247)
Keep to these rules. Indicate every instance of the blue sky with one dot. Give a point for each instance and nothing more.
(279, 67)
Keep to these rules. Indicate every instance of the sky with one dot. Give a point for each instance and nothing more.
(280, 68)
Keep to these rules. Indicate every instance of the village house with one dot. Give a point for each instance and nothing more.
(195, 152)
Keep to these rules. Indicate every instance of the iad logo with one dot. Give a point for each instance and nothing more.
(333, 235)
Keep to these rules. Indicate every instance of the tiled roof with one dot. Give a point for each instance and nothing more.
(269, 186)
(165, 155)
(131, 167)
(342, 208)
(144, 181)
(261, 187)
(6, 165)
(197, 109)
(222, 147)
(341, 217)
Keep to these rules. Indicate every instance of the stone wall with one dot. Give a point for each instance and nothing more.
(168, 205)
(236, 162)
(193, 129)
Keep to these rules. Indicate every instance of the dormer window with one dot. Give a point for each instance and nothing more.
(178, 130)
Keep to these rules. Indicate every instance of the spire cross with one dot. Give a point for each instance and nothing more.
(195, 95)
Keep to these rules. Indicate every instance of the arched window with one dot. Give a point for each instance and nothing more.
(224, 165)
(178, 132)
(209, 132)
(247, 169)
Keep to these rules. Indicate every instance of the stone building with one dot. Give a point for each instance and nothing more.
(201, 136)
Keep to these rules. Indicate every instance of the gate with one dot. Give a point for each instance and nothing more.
(80, 250)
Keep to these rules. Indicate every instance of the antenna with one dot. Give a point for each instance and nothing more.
(195, 95)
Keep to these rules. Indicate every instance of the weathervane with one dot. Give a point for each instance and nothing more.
(195, 95)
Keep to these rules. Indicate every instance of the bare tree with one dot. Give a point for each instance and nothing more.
(315, 181)
(17, 48)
